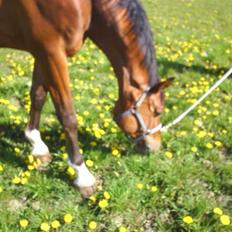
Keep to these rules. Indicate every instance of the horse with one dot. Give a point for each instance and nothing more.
(54, 30)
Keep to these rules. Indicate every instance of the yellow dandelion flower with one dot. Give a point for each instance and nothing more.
(211, 134)
(55, 224)
(92, 225)
(71, 171)
(85, 113)
(115, 152)
(188, 220)
(64, 156)
(225, 220)
(24, 180)
(27, 174)
(17, 150)
(198, 122)
(106, 195)
(23, 223)
(16, 180)
(45, 226)
(215, 112)
(68, 218)
(103, 203)
(30, 159)
(201, 134)
(218, 144)
(194, 149)
(30, 167)
(1, 168)
(89, 163)
(1, 189)
(122, 229)
(209, 145)
(154, 189)
(168, 154)
(139, 186)
(217, 211)
(93, 198)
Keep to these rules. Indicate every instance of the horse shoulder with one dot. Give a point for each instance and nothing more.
(69, 18)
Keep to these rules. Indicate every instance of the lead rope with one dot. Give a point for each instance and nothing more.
(185, 113)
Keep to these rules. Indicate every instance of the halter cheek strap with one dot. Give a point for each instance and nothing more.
(134, 111)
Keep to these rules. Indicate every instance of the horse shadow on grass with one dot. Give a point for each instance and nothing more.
(165, 66)
(13, 136)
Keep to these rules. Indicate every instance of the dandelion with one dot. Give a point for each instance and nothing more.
(71, 171)
(55, 224)
(209, 145)
(68, 218)
(201, 134)
(188, 220)
(30, 167)
(215, 113)
(194, 149)
(139, 186)
(45, 226)
(16, 180)
(24, 180)
(64, 156)
(153, 189)
(217, 211)
(168, 154)
(92, 225)
(89, 163)
(30, 159)
(93, 199)
(225, 220)
(122, 229)
(17, 150)
(1, 189)
(103, 203)
(218, 144)
(106, 195)
(1, 168)
(23, 223)
(115, 152)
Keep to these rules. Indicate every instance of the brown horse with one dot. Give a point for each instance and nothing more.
(55, 29)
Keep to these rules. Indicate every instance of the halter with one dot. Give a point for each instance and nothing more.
(134, 111)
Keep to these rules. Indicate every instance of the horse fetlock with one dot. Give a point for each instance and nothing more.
(39, 148)
(85, 181)
(86, 192)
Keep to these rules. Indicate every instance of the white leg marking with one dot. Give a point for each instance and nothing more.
(39, 148)
(85, 177)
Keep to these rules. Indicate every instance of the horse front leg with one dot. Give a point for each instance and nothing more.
(56, 73)
(38, 96)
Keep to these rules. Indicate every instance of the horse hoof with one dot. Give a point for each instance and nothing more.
(43, 161)
(86, 192)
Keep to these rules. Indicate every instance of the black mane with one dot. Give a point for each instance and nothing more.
(144, 35)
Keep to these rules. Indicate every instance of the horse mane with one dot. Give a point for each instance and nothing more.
(140, 27)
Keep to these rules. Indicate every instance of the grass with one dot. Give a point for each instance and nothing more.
(193, 42)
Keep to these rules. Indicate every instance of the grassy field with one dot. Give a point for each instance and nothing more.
(186, 186)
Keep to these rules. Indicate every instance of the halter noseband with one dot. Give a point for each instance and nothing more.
(134, 111)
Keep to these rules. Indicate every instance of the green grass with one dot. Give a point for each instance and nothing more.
(194, 43)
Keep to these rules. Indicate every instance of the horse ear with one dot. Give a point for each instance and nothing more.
(162, 85)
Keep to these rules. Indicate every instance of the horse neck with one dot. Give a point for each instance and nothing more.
(111, 30)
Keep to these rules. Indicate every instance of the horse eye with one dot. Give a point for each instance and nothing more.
(156, 114)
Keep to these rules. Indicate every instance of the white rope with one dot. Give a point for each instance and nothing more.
(183, 115)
